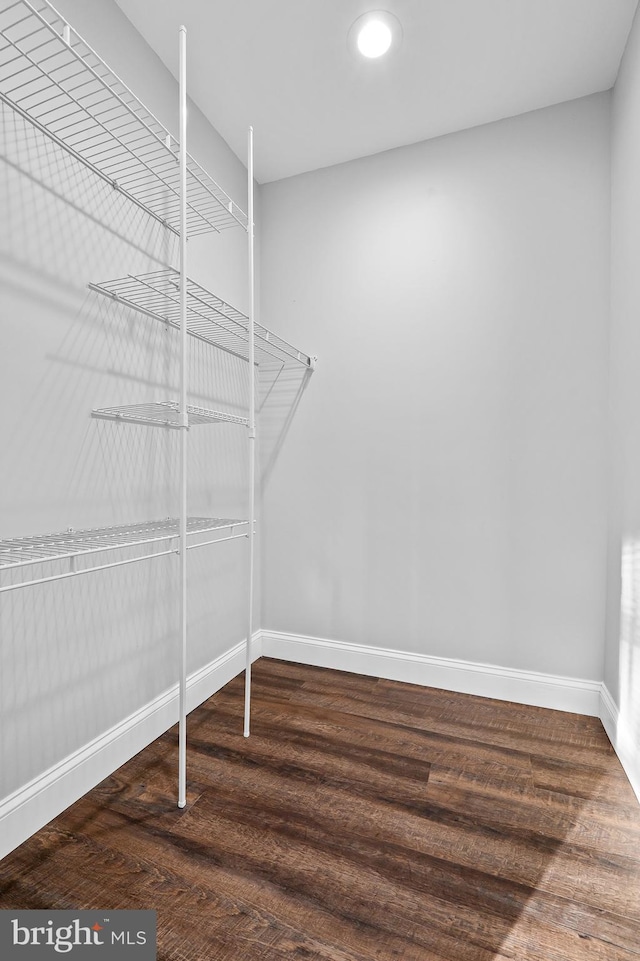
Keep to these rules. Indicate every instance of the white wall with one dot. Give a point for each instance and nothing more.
(622, 663)
(442, 486)
(79, 657)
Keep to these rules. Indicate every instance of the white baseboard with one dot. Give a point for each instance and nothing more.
(485, 680)
(571, 694)
(31, 807)
(623, 742)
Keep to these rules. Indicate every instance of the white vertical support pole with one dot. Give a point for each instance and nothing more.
(182, 723)
(252, 439)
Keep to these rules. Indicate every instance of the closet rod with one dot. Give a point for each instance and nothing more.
(88, 570)
(104, 567)
(219, 540)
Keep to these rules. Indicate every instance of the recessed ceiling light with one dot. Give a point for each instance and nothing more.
(374, 34)
(374, 39)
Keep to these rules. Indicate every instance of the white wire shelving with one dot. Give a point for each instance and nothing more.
(53, 78)
(166, 414)
(18, 553)
(209, 318)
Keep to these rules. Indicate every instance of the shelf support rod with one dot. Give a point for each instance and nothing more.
(182, 722)
(252, 435)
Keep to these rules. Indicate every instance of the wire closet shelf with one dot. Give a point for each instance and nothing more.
(54, 79)
(166, 414)
(21, 552)
(209, 318)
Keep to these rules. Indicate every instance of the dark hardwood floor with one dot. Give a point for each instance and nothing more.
(363, 819)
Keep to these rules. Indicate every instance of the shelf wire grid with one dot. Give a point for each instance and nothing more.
(166, 414)
(51, 76)
(39, 548)
(209, 318)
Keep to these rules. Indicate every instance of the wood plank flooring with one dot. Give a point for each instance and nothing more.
(363, 819)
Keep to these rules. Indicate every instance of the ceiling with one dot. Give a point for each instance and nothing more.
(284, 66)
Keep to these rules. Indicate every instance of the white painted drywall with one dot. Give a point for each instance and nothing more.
(442, 486)
(622, 663)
